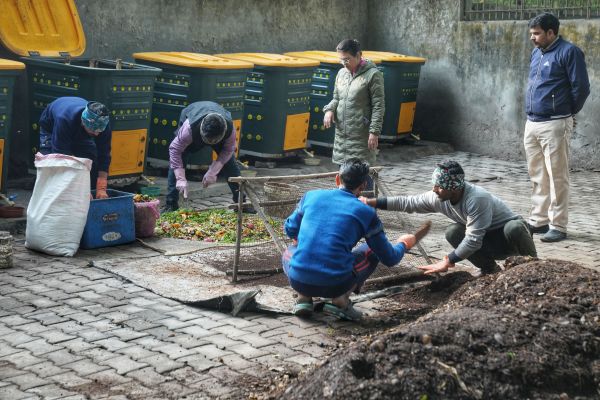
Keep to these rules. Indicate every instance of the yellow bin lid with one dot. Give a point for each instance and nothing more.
(393, 57)
(192, 60)
(330, 57)
(10, 64)
(271, 60)
(45, 28)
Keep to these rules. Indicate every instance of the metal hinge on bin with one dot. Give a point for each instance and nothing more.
(34, 53)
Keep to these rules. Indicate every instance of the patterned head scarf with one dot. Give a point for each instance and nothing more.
(449, 175)
(93, 121)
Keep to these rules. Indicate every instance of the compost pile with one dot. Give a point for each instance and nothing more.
(216, 225)
(531, 331)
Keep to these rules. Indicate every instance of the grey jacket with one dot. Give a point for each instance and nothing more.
(358, 104)
(479, 210)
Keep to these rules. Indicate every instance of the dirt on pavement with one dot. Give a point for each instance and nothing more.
(531, 331)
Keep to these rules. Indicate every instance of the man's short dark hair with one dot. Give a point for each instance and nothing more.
(212, 128)
(546, 21)
(452, 167)
(353, 173)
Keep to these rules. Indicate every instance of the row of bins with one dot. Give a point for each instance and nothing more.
(276, 100)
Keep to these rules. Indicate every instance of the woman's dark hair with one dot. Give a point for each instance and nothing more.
(546, 21)
(353, 173)
(349, 46)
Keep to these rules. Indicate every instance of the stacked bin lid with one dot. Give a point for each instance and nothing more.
(187, 78)
(9, 70)
(323, 82)
(50, 34)
(401, 77)
(276, 106)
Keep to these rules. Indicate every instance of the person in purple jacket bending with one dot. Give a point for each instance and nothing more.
(203, 123)
(325, 228)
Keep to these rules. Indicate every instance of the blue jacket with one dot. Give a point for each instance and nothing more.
(558, 82)
(328, 224)
(61, 132)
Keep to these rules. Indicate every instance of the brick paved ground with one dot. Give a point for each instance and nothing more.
(71, 331)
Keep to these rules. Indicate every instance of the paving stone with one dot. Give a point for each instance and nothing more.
(126, 334)
(108, 377)
(85, 367)
(61, 357)
(123, 364)
(52, 391)
(174, 351)
(256, 340)
(199, 362)
(237, 363)
(69, 380)
(98, 354)
(195, 331)
(12, 392)
(162, 363)
(302, 359)
(27, 380)
(93, 335)
(161, 333)
(173, 324)
(6, 349)
(84, 317)
(112, 344)
(187, 375)
(15, 320)
(247, 351)
(189, 342)
(78, 345)
(183, 315)
(175, 387)
(45, 369)
(22, 359)
(211, 351)
(148, 342)
(149, 377)
(39, 347)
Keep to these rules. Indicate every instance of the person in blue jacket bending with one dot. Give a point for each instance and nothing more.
(77, 127)
(325, 227)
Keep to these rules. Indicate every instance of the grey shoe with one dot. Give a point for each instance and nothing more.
(537, 229)
(554, 236)
(349, 313)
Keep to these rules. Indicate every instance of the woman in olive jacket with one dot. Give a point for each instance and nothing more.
(357, 106)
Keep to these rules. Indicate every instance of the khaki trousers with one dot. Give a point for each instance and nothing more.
(547, 150)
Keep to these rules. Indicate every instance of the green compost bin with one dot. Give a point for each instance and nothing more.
(401, 78)
(187, 78)
(323, 83)
(9, 71)
(276, 106)
(125, 88)
(50, 35)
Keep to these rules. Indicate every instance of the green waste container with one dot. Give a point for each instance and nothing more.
(9, 71)
(187, 78)
(276, 106)
(323, 83)
(51, 45)
(401, 78)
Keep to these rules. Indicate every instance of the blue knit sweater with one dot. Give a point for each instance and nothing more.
(328, 224)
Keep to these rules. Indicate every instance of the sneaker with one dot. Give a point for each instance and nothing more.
(169, 207)
(537, 229)
(349, 313)
(303, 309)
(553, 236)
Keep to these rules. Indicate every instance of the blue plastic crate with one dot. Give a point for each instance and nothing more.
(110, 222)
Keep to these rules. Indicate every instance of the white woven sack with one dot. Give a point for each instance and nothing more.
(57, 211)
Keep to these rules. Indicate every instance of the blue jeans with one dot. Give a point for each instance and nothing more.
(230, 168)
(365, 262)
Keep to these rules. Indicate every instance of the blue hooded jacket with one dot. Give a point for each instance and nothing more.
(558, 82)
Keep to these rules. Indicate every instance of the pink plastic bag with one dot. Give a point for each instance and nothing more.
(146, 214)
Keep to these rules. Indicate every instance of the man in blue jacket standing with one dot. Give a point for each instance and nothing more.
(557, 89)
(325, 227)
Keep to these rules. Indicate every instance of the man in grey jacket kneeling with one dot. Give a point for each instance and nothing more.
(485, 228)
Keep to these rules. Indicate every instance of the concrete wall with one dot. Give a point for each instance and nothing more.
(471, 92)
(117, 28)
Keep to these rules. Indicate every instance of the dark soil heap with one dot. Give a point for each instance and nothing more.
(530, 332)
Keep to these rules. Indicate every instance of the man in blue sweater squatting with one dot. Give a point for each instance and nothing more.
(325, 227)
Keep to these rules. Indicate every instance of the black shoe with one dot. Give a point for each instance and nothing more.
(537, 229)
(248, 209)
(169, 207)
(491, 270)
(553, 236)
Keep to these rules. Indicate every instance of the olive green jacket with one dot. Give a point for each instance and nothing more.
(358, 104)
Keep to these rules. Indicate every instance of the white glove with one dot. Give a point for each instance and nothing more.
(182, 184)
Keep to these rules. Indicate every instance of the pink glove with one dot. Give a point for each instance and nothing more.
(208, 179)
(182, 184)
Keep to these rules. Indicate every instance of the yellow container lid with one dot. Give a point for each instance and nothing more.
(45, 28)
(330, 57)
(193, 60)
(10, 64)
(271, 60)
(393, 57)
